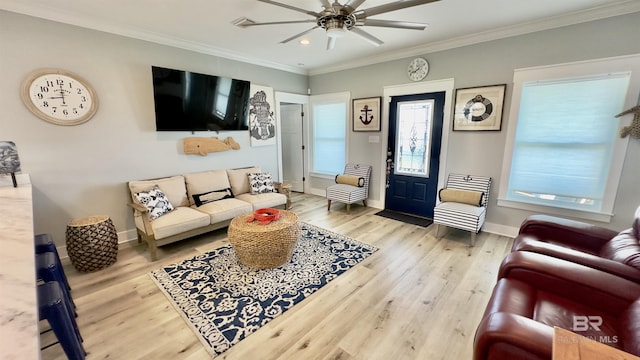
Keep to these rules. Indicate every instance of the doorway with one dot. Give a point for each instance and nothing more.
(292, 145)
(414, 145)
(292, 109)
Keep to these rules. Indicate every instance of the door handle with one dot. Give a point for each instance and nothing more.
(389, 166)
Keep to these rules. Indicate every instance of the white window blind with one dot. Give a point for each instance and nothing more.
(329, 131)
(564, 140)
(563, 154)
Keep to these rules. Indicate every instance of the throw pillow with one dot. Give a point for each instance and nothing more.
(461, 196)
(260, 183)
(211, 196)
(155, 201)
(350, 180)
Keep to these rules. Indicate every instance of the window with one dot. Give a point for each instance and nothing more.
(565, 149)
(329, 133)
(413, 137)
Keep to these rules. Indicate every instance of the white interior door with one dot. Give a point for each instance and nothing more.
(291, 116)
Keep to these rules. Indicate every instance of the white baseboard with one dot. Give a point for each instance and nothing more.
(128, 236)
(498, 229)
(493, 228)
(371, 203)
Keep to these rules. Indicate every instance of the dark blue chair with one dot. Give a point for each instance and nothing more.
(53, 307)
(44, 243)
(49, 269)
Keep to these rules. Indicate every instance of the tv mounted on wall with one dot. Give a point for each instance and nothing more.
(188, 101)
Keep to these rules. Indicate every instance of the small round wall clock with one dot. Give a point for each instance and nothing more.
(418, 68)
(59, 97)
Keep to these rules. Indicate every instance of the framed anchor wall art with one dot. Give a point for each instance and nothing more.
(479, 108)
(366, 114)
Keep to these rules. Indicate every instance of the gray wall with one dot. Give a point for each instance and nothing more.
(493, 63)
(82, 170)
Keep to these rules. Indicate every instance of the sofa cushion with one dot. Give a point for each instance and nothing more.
(225, 209)
(180, 220)
(239, 180)
(204, 182)
(461, 196)
(211, 196)
(266, 200)
(173, 187)
(350, 180)
(155, 201)
(260, 183)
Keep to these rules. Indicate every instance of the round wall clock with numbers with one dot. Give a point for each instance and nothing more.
(418, 68)
(59, 97)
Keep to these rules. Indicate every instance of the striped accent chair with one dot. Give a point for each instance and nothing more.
(462, 215)
(350, 194)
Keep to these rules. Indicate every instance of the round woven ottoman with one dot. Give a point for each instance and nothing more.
(264, 246)
(92, 243)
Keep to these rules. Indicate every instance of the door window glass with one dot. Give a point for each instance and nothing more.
(413, 137)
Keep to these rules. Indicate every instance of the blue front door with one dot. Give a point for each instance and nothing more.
(415, 135)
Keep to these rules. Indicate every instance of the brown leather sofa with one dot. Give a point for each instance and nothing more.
(536, 292)
(582, 243)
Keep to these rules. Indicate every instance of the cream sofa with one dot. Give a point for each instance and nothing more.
(187, 219)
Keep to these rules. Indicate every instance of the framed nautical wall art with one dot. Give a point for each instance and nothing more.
(479, 108)
(366, 114)
(262, 119)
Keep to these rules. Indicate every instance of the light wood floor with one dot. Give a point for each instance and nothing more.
(415, 298)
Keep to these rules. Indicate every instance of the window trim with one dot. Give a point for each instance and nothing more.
(572, 70)
(328, 98)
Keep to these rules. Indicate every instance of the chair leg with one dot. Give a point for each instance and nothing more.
(473, 238)
(328, 205)
(348, 208)
(364, 202)
(437, 231)
(53, 307)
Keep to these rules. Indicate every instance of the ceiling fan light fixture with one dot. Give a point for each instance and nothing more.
(337, 32)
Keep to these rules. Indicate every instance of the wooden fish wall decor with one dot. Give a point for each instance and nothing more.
(202, 146)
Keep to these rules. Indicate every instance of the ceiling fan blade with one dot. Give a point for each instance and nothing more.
(352, 5)
(392, 24)
(308, 12)
(331, 42)
(325, 4)
(278, 23)
(376, 10)
(368, 37)
(298, 35)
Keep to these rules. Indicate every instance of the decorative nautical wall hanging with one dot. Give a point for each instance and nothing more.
(634, 128)
(366, 114)
(202, 146)
(479, 108)
(262, 120)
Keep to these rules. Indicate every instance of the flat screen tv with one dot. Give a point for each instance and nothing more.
(188, 101)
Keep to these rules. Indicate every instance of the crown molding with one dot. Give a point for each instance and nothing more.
(52, 14)
(597, 13)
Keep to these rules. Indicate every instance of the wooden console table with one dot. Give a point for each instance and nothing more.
(571, 346)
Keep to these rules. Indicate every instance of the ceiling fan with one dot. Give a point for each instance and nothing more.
(337, 19)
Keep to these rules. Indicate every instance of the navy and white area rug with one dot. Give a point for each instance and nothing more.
(224, 301)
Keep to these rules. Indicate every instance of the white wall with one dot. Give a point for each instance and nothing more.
(82, 170)
(487, 64)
